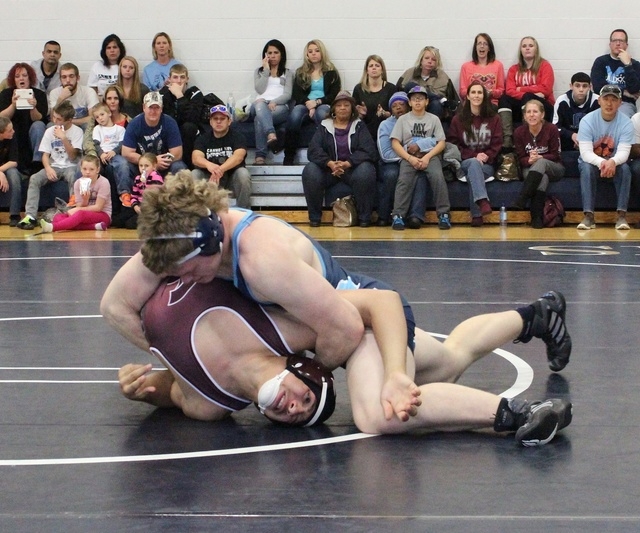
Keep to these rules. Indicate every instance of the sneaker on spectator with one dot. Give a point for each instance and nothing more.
(28, 223)
(14, 220)
(444, 221)
(125, 199)
(398, 223)
(621, 223)
(101, 226)
(588, 222)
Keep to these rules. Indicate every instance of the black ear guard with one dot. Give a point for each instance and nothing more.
(207, 237)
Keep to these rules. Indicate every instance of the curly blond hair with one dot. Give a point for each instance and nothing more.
(175, 208)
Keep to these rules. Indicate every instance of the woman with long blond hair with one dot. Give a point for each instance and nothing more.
(372, 94)
(315, 85)
(429, 73)
(531, 78)
(130, 85)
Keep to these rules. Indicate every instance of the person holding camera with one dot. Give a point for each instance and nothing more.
(26, 107)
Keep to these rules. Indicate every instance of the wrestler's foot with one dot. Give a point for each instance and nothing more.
(535, 423)
(541, 423)
(548, 323)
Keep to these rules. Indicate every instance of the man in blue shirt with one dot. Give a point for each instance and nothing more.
(604, 139)
(152, 131)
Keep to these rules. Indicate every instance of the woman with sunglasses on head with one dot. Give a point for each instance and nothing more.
(315, 85)
(429, 73)
(274, 84)
(483, 68)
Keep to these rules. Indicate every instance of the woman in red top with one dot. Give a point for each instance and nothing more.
(537, 144)
(530, 79)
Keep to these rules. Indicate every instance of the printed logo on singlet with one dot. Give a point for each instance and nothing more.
(178, 291)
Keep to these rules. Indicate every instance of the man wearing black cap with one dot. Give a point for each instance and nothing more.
(604, 138)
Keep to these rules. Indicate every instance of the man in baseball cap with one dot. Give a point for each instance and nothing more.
(605, 137)
(219, 156)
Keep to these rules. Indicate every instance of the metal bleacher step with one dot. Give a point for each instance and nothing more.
(276, 186)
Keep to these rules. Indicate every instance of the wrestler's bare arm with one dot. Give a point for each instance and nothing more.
(277, 263)
(382, 311)
(125, 296)
(162, 389)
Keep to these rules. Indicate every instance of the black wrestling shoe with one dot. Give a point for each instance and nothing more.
(541, 423)
(549, 324)
(564, 410)
(556, 337)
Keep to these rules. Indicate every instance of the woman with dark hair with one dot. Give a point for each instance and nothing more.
(130, 86)
(315, 85)
(156, 73)
(372, 94)
(105, 72)
(477, 132)
(531, 78)
(484, 68)
(537, 144)
(341, 150)
(274, 84)
(28, 115)
(115, 101)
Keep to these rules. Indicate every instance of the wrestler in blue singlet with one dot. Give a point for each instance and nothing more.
(333, 272)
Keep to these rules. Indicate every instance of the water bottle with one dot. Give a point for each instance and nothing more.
(503, 216)
(231, 105)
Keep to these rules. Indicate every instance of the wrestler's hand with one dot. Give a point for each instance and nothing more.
(400, 396)
(132, 381)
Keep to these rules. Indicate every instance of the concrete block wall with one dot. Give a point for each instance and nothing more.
(220, 41)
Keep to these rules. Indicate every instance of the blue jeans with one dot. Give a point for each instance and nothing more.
(298, 116)
(238, 181)
(117, 170)
(36, 132)
(589, 176)
(387, 180)
(264, 123)
(361, 179)
(14, 178)
(39, 180)
(476, 173)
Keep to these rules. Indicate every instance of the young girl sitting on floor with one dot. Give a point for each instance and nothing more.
(93, 201)
(147, 164)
